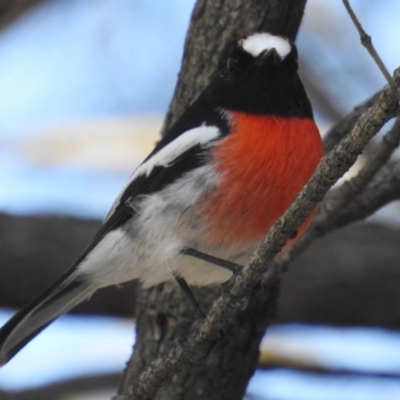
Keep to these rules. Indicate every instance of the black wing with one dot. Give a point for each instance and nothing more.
(200, 113)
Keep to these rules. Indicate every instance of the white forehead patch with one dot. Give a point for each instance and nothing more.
(257, 43)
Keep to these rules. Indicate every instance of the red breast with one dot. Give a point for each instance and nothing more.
(263, 165)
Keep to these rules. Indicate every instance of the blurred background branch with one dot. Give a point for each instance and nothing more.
(10, 10)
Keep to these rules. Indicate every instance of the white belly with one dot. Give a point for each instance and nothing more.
(148, 246)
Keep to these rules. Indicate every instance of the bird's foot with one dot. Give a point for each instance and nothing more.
(236, 302)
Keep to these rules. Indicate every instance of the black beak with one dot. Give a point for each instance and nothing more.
(269, 56)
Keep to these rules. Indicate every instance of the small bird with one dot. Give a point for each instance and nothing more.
(197, 207)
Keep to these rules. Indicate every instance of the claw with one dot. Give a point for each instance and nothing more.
(236, 302)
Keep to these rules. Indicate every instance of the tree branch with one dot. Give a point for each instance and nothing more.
(366, 41)
(331, 168)
(356, 198)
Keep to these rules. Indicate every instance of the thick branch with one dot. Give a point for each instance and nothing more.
(331, 168)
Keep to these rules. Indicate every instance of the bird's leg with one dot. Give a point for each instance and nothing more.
(191, 354)
(235, 268)
(239, 302)
(198, 312)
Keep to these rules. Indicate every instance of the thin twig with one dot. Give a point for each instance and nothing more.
(331, 168)
(366, 41)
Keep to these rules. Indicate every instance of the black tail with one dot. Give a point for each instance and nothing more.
(32, 319)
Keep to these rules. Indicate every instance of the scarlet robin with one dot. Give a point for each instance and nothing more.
(200, 203)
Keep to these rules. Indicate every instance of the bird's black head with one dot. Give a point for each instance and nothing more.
(258, 74)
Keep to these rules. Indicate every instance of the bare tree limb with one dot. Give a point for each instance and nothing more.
(331, 168)
(366, 41)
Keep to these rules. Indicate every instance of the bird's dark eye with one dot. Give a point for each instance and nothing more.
(232, 63)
